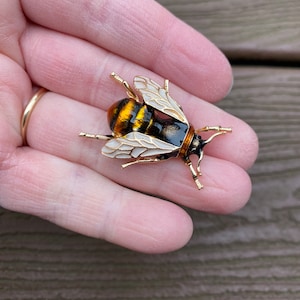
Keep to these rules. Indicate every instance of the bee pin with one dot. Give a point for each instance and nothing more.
(154, 129)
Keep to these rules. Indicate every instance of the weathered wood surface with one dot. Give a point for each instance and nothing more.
(256, 29)
(254, 254)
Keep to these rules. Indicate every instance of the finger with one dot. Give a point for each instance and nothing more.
(81, 200)
(12, 25)
(240, 146)
(82, 74)
(14, 85)
(54, 128)
(148, 36)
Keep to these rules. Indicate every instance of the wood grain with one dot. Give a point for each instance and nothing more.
(256, 29)
(253, 254)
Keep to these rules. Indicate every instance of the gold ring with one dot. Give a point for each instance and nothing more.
(28, 111)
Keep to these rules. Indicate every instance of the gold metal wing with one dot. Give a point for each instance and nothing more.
(136, 144)
(158, 97)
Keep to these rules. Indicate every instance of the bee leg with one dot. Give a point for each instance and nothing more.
(194, 173)
(220, 130)
(129, 90)
(215, 128)
(166, 85)
(213, 136)
(95, 136)
(144, 160)
(198, 163)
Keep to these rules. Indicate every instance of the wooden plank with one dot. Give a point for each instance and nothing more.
(253, 254)
(257, 29)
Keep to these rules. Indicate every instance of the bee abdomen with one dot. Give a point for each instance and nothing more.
(127, 115)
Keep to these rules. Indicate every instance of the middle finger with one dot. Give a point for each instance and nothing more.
(54, 128)
(80, 70)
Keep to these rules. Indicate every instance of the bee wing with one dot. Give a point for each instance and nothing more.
(159, 98)
(136, 144)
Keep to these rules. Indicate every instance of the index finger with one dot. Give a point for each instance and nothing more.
(144, 32)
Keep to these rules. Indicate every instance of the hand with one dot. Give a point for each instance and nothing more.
(70, 49)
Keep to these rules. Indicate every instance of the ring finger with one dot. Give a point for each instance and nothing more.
(54, 128)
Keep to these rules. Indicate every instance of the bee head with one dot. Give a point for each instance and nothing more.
(197, 145)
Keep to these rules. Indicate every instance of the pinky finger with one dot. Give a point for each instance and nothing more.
(81, 200)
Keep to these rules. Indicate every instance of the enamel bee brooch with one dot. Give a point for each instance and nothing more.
(152, 129)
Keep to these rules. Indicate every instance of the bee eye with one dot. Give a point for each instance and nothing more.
(196, 143)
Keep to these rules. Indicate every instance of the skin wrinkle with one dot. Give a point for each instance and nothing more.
(35, 46)
(164, 43)
(167, 42)
(103, 23)
(76, 201)
(68, 199)
(8, 164)
(184, 52)
(143, 233)
(96, 93)
(95, 18)
(8, 117)
(11, 32)
(51, 195)
(64, 64)
(70, 66)
(112, 210)
(65, 198)
(12, 86)
(17, 177)
(145, 230)
(158, 44)
(140, 233)
(12, 92)
(159, 182)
